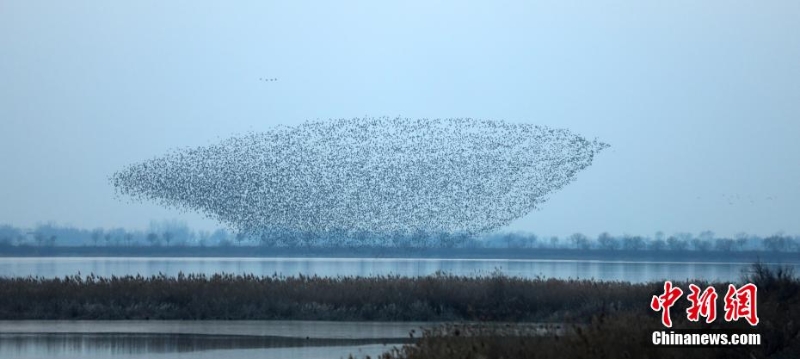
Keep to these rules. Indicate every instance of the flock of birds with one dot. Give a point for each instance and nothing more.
(366, 175)
(268, 79)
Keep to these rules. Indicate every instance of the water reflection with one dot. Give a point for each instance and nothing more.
(136, 343)
(97, 346)
(376, 331)
(179, 339)
(576, 269)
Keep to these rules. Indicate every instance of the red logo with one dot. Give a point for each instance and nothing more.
(739, 303)
(666, 301)
(702, 304)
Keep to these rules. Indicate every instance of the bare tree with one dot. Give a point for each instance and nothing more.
(40, 238)
(741, 240)
(580, 241)
(724, 244)
(153, 239)
(777, 243)
(167, 237)
(96, 235)
(633, 243)
(658, 244)
(607, 242)
(676, 244)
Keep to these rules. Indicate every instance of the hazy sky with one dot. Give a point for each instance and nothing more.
(700, 100)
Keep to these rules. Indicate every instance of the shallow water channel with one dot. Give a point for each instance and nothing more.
(200, 339)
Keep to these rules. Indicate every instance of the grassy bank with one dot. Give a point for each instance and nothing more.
(434, 298)
(627, 334)
(603, 319)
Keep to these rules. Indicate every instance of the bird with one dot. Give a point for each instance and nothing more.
(349, 179)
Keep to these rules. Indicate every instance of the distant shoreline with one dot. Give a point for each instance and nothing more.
(429, 253)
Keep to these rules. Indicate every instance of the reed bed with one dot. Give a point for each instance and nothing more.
(627, 333)
(439, 297)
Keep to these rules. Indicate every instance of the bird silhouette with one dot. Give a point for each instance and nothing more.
(348, 178)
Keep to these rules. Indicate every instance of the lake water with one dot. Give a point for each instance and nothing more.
(280, 339)
(200, 339)
(584, 269)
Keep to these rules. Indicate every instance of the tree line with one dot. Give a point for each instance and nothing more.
(178, 234)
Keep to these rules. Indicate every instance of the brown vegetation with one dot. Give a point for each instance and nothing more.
(627, 334)
(434, 298)
(603, 319)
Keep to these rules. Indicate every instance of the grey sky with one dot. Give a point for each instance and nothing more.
(700, 100)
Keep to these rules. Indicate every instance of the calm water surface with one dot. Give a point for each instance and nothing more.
(199, 339)
(280, 339)
(583, 269)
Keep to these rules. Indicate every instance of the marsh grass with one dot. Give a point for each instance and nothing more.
(626, 333)
(596, 319)
(439, 297)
